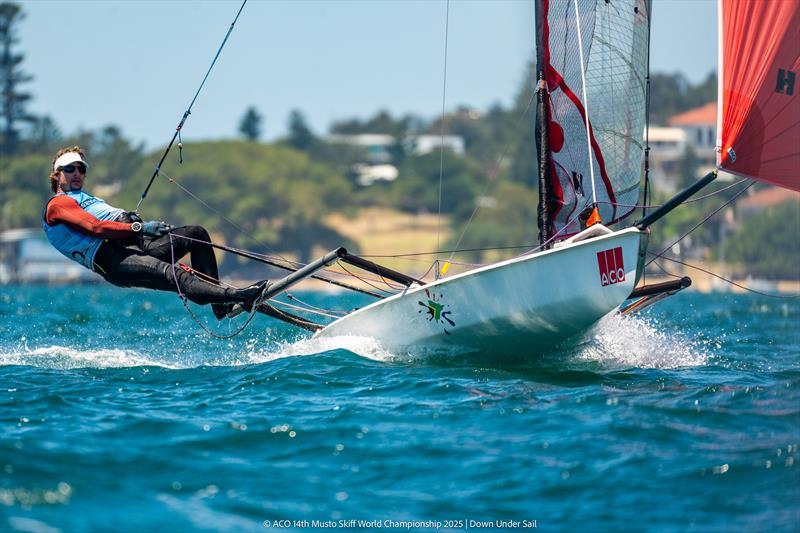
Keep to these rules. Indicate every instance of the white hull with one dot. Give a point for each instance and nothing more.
(520, 306)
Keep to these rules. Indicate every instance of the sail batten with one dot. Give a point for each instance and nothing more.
(759, 83)
(593, 58)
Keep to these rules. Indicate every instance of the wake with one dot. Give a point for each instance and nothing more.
(619, 342)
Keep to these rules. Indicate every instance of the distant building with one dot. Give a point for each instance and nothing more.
(425, 144)
(378, 146)
(667, 148)
(700, 126)
(369, 174)
(378, 159)
(27, 257)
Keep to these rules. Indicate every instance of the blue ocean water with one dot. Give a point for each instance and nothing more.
(118, 413)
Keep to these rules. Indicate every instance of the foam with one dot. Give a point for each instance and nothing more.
(366, 347)
(637, 342)
(65, 358)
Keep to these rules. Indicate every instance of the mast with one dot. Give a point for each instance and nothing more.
(542, 122)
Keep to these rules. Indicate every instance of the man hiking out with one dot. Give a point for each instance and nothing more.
(128, 252)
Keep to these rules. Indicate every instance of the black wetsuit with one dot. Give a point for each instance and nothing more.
(148, 263)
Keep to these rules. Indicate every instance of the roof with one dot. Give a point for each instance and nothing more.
(768, 198)
(699, 116)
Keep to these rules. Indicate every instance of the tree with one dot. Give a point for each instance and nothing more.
(672, 93)
(12, 100)
(250, 125)
(45, 135)
(767, 244)
(524, 168)
(687, 167)
(300, 135)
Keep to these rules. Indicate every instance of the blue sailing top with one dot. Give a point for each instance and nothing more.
(76, 245)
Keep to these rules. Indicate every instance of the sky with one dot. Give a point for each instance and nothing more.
(137, 64)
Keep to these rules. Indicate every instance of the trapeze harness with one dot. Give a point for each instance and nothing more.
(75, 245)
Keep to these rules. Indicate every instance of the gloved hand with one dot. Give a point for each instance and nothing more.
(155, 228)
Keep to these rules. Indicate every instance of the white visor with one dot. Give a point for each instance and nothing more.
(67, 159)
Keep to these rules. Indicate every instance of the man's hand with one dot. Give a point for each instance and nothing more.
(156, 228)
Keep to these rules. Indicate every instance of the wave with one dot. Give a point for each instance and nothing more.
(66, 358)
(616, 342)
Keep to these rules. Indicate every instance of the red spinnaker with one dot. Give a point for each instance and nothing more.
(759, 92)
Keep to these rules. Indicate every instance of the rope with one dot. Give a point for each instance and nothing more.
(585, 102)
(224, 217)
(311, 308)
(497, 164)
(723, 278)
(717, 210)
(441, 127)
(188, 112)
(185, 301)
(709, 195)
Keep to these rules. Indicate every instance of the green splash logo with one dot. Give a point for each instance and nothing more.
(435, 309)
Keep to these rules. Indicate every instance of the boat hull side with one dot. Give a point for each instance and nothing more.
(523, 305)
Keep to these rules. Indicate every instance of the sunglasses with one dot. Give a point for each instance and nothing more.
(69, 169)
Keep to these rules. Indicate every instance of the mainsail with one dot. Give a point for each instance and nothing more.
(600, 73)
(759, 82)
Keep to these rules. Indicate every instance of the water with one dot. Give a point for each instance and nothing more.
(119, 414)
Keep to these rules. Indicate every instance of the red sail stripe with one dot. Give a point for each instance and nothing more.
(598, 154)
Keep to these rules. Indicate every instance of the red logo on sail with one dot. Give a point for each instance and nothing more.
(612, 269)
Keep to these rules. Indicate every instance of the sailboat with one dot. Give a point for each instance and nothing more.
(592, 90)
(592, 70)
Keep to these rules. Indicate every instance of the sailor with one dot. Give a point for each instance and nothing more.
(128, 252)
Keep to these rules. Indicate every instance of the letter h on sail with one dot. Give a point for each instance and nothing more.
(785, 82)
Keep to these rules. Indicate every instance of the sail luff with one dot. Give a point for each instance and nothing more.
(592, 50)
(585, 102)
(542, 123)
(759, 106)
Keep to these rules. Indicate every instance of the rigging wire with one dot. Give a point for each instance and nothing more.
(188, 110)
(269, 261)
(185, 300)
(585, 103)
(692, 200)
(646, 192)
(497, 166)
(723, 278)
(441, 126)
(717, 210)
(224, 217)
(310, 308)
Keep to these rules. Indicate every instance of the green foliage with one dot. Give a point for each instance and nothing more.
(767, 245)
(300, 135)
(509, 219)
(260, 197)
(687, 168)
(381, 122)
(671, 94)
(250, 125)
(417, 188)
(13, 100)
(26, 188)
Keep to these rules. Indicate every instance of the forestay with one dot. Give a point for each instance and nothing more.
(614, 46)
(759, 106)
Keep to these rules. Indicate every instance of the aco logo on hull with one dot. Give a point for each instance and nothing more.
(612, 268)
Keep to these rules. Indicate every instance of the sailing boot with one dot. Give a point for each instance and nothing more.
(247, 297)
